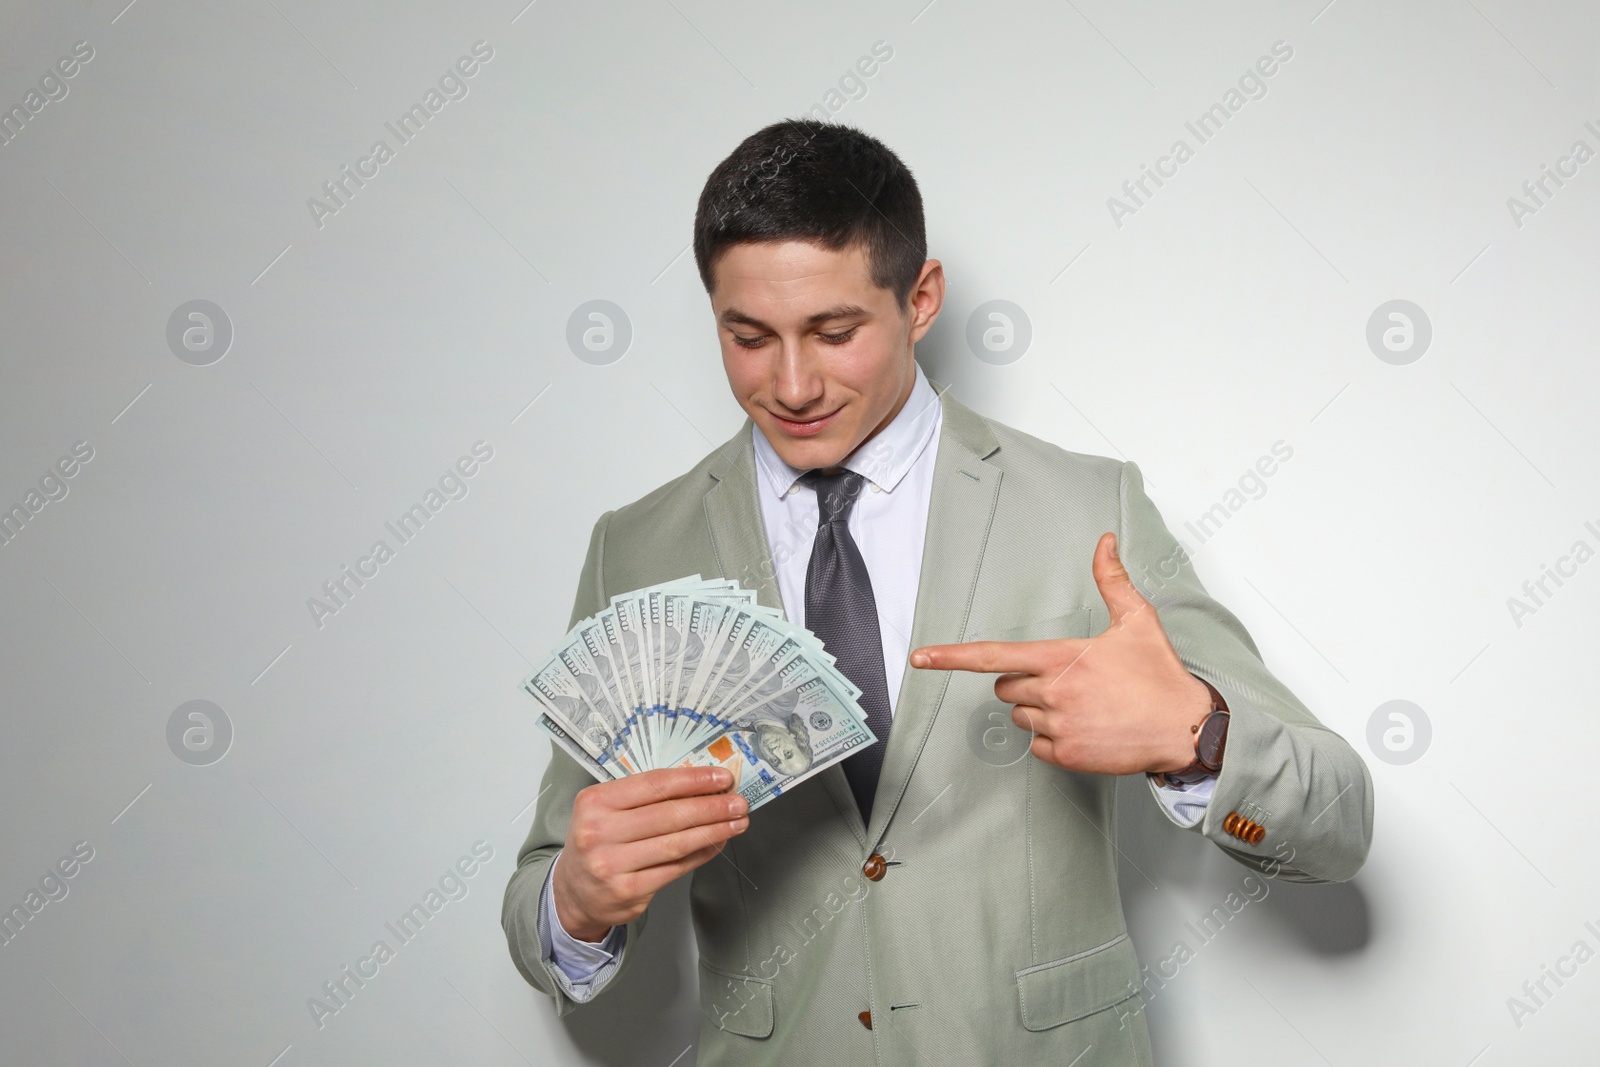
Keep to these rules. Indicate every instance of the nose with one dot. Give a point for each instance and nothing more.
(796, 384)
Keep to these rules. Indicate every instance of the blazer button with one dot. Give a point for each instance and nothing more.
(874, 870)
(866, 1019)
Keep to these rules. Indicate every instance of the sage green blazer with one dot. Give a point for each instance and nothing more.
(993, 932)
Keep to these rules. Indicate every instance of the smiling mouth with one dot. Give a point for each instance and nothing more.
(803, 426)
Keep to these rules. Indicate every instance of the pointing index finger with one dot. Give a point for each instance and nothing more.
(987, 657)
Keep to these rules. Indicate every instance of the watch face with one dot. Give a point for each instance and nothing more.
(1213, 739)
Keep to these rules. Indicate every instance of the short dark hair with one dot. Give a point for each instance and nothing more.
(822, 182)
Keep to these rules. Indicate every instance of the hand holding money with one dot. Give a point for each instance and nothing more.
(692, 705)
(630, 837)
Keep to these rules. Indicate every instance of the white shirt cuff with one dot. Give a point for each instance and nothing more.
(1186, 803)
(581, 961)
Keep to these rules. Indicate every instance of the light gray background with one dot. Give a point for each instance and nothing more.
(1228, 313)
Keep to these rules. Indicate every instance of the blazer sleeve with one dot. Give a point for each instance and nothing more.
(1282, 769)
(563, 778)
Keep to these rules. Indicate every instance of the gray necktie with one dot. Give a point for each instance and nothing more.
(842, 612)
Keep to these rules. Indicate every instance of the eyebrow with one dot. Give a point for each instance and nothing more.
(838, 311)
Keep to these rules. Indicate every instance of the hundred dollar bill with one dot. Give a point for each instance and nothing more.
(766, 658)
(770, 752)
(731, 668)
(685, 651)
(571, 747)
(674, 609)
(774, 692)
(558, 689)
(770, 648)
(707, 626)
(593, 649)
(630, 625)
(624, 655)
(572, 659)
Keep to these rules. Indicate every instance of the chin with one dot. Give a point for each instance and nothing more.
(809, 454)
(824, 450)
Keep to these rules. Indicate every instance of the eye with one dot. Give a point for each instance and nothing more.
(839, 338)
(748, 342)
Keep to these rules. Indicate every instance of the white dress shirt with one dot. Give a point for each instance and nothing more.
(888, 523)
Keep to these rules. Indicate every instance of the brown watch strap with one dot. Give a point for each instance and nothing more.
(1197, 769)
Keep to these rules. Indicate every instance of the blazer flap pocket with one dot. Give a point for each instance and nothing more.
(1066, 990)
(1074, 623)
(737, 1003)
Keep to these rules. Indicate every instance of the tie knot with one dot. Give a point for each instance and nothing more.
(836, 489)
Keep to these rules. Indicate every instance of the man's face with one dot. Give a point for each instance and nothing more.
(818, 356)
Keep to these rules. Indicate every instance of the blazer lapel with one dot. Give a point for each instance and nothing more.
(960, 510)
(739, 540)
(738, 534)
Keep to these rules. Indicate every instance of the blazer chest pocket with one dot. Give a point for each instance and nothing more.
(1070, 989)
(1073, 623)
(738, 1003)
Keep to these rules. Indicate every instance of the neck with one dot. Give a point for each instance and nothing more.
(900, 402)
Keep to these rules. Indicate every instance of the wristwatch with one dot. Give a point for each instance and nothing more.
(1210, 740)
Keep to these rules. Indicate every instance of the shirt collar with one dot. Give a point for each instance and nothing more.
(882, 459)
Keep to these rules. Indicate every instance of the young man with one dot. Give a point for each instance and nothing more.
(924, 901)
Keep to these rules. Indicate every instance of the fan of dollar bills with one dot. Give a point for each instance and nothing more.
(695, 673)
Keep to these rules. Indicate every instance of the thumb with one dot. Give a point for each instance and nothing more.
(1116, 588)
